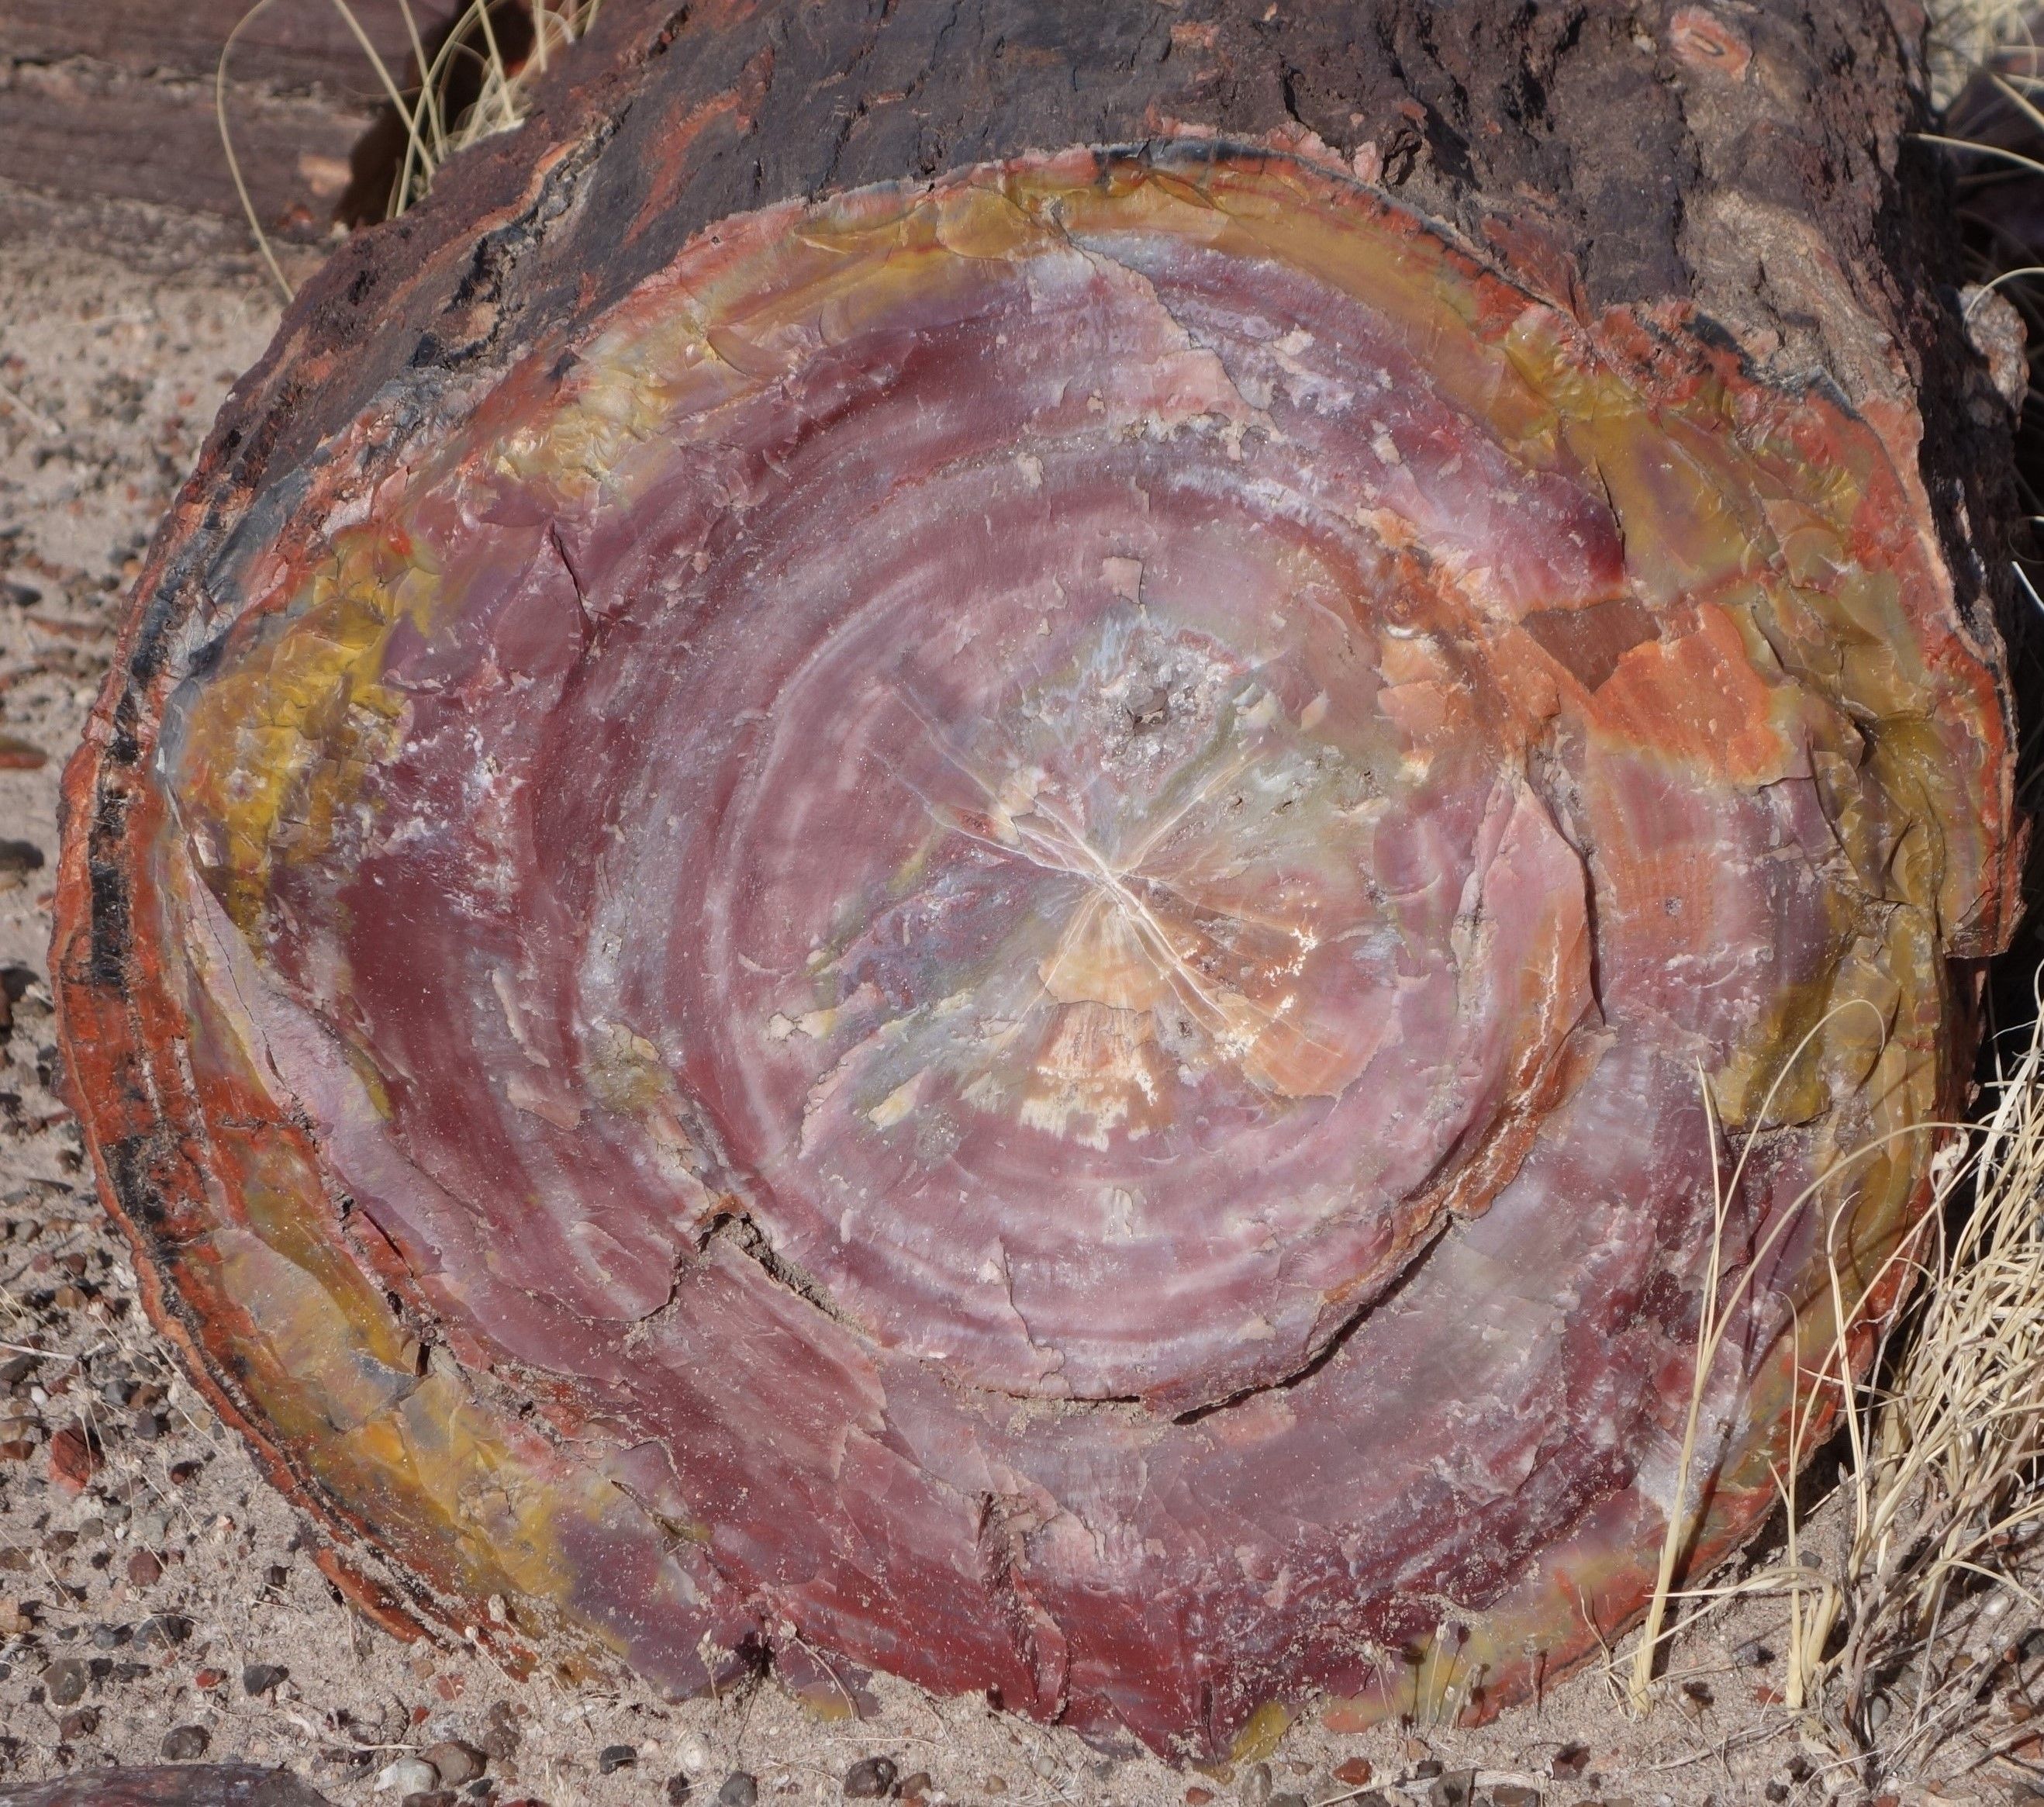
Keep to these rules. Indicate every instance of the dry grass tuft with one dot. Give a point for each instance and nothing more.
(1936, 1522)
(471, 58)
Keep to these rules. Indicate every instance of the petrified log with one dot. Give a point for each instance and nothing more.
(916, 852)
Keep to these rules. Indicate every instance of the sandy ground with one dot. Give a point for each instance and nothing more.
(131, 1599)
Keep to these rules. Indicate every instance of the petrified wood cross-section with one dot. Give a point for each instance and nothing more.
(1007, 929)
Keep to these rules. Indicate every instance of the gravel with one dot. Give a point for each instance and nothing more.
(870, 1778)
(183, 1743)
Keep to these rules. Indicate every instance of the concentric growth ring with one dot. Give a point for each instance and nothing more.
(990, 938)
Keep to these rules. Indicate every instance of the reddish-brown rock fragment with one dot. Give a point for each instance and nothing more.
(74, 1459)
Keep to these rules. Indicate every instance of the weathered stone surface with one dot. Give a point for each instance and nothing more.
(992, 917)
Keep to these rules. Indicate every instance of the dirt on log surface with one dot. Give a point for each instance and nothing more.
(786, 1276)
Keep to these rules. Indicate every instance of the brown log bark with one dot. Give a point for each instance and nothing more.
(652, 1203)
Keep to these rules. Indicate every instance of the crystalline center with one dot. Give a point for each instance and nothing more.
(1125, 940)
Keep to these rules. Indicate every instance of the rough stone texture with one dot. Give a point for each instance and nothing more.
(1609, 160)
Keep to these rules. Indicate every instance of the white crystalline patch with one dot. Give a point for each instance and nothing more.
(1087, 1121)
(521, 1094)
(897, 1104)
(984, 1093)
(1123, 577)
(1121, 1214)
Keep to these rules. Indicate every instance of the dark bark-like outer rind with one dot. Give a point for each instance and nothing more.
(1749, 164)
(1604, 148)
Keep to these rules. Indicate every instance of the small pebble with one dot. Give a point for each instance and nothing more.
(914, 1787)
(870, 1778)
(740, 1789)
(1455, 1791)
(1569, 1761)
(182, 1744)
(163, 1631)
(1354, 1772)
(679, 1788)
(18, 858)
(1514, 1794)
(1288, 1799)
(145, 1568)
(65, 1678)
(498, 1739)
(260, 1677)
(455, 1763)
(407, 1775)
(82, 1723)
(1427, 1771)
(615, 1757)
(433, 1797)
(1255, 1785)
(1753, 1654)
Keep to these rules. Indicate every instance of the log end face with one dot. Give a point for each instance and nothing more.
(1017, 889)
